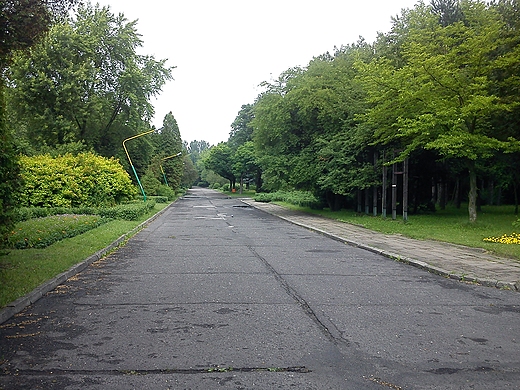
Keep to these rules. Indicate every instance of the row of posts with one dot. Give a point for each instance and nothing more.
(396, 171)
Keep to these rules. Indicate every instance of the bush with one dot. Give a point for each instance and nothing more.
(165, 191)
(298, 198)
(74, 181)
(263, 197)
(159, 199)
(128, 211)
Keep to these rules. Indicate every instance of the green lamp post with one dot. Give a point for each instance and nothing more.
(166, 158)
(130, 160)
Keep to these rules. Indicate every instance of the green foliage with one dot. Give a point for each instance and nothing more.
(241, 129)
(24, 22)
(42, 232)
(73, 181)
(127, 212)
(168, 143)
(85, 82)
(21, 271)
(9, 172)
(165, 192)
(306, 122)
(219, 159)
(297, 198)
(441, 89)
(441, 95)
(160, 199)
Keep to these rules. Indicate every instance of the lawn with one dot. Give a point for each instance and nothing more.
(22, 270)
(449, 225)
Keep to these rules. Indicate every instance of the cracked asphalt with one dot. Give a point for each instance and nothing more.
(214, 294)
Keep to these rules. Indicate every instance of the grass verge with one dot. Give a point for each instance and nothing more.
(22, 270)
(449, 225)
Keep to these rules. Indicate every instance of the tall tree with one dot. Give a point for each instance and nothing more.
(22, 23)
(86, 82)
(241, 129)
(245, 164)
(219, 159)
(168, 144)
(441, 99)
(448, 11)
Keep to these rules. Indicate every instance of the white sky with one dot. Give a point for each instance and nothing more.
(223, 49)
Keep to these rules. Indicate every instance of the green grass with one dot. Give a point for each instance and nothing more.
(245, 193)
(22, 270)
(450, 225)
(42, 232)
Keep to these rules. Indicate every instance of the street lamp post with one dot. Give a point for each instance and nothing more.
(130, 160)
(166, 158)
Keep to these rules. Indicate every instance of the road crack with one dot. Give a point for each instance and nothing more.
(330, 331)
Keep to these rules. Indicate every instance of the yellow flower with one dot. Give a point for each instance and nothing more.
(513, 238)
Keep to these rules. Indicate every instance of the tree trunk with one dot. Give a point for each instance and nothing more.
(367, 200)
(516, 196)
(472, 196)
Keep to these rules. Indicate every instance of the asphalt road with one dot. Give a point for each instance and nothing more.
(217, 295)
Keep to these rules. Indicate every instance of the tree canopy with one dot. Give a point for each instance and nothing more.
(85, 82)
(442, 96)
(22, 23)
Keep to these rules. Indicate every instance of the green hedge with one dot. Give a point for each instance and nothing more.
(74, 181)
(298, 198)
(42, 232)
(127, 211)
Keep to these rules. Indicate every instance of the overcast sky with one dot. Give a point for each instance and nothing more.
(223, 49)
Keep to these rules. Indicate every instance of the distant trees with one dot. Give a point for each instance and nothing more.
(439, 89)
(168, 143)
(219, 160)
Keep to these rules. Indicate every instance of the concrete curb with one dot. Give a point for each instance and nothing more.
(402, 259)
(21, 303)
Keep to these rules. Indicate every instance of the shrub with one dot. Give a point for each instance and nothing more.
(165, 192)
(74, 181)
(159, 199)
(129, 211)
(263, 197)
(298, 198)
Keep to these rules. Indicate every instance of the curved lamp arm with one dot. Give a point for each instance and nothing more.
(130, 160)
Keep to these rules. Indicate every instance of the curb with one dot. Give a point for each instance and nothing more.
(406, 260)
(21, 303)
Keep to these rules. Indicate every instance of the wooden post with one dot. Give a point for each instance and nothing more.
(405, 190)
(394, 192)
(383, 191)
(367, 200)
(374, 189)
